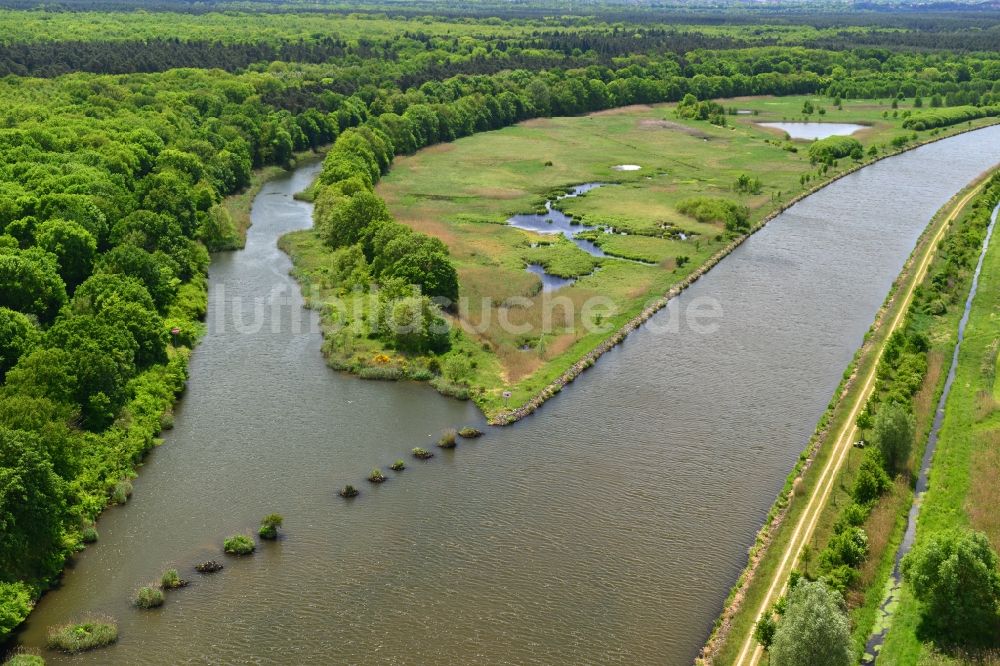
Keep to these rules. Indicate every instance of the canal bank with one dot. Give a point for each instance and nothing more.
(801, 522)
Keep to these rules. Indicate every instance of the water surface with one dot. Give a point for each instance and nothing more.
(606, 528)
(549, 282)
(554, 221)
(810, 131)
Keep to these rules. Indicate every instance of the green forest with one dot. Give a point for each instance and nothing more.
(122, 133)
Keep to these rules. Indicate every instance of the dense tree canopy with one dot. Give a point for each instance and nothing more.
(814, 630)
(893, 434)
(955, 577)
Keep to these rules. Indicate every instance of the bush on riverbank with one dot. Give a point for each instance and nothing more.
(90, 634)
(833, 148)
(943, 117)
(89, 533)
(239, 544)
(121, 492)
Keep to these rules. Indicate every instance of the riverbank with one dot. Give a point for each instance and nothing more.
(822, 488)
(961, 489)
(150, 413)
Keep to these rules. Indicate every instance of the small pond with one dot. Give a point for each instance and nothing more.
(810, 131)
(549, 282)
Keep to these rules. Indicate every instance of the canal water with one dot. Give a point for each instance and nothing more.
(606, 528)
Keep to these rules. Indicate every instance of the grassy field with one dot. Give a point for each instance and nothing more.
(463, 192)
(963, 488)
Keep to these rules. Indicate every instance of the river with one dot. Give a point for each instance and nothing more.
(606, 528)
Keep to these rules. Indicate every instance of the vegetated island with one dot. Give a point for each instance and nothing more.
(710, 174)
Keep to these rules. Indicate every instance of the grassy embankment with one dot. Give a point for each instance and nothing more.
(963, 489)
(885, 523)
(464, 191)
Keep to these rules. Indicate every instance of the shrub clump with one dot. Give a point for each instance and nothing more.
(448, 439)
(422, 454)
(121, 492)
(469, 432)
(239, 544)
(269, 525)
(871, 481)
(149, 596)
(171, 580)
(833, 148)
(376, 476)
(398, 466)
(89, 533)
(87, 635)
(348, 491)
(211, 566)
(714, 210)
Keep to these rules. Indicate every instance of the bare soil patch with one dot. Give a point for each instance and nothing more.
(984, 493)
(621, 110)
(652, 123)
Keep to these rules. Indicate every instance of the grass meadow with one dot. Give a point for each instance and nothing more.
(463, 192)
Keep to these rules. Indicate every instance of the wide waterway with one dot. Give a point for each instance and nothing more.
(607, 527)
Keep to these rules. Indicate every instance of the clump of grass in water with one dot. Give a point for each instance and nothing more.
(208, 567)
(423, 454)
(121, 492)
(376, 476)
(448, 440)
(269, 525)
(398, 466)
(469, 432)
(239, 544)
(25, 657)
(87, 635)
(171, 580)
(149, 596)
(348, 491)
